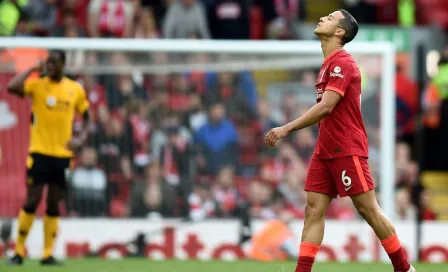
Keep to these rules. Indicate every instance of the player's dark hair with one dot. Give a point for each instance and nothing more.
(350, 25)
(60, 53)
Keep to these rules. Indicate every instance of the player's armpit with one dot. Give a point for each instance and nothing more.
(335, 89)
(330, 99)
(82, 104)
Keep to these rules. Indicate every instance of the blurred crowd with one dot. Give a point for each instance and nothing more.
(217, 19)
(191, 144)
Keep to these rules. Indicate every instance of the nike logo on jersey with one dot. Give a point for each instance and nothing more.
(348, 188)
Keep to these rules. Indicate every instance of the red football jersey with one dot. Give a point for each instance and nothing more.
(341, 133)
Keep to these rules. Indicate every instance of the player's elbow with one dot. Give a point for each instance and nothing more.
(12, 89)
(327, 109)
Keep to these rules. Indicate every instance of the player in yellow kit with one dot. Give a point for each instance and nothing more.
(55, 101)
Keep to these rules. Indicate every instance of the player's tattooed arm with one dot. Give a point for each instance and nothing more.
(17, 84)
(312, 116)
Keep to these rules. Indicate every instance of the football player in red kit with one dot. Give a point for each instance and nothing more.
(339, 164)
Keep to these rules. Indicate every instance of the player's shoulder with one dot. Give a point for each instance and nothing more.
(344, 60)
(39, 80)
(343, 57)
(73, 84)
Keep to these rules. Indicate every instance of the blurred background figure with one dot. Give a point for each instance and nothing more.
(89, 186)
(217, 141)
(275, 242)
(152, 197)
(185, 18)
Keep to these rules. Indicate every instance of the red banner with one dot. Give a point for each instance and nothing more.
(14, 135)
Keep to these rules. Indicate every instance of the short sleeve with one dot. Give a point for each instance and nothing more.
(30, 86)
(82, 104)
(340, 76)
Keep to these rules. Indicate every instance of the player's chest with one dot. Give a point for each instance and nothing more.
(55, 99)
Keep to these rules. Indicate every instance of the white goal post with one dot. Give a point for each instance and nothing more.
(385, 50)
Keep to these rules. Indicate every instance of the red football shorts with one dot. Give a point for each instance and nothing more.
(345, 176)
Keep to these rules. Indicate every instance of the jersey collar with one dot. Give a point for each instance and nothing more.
(333, 54)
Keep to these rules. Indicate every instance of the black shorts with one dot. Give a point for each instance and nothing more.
(47, 169)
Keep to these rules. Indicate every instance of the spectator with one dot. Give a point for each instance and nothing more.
(179, 96)
(227, 90)
(292, 188)
(201, 203)
(195, 117)
(275, 168)
(176, 160)
(260, 195)
(79, 8)
(225, 192)
(243, 81)
(157, 7)
(184, 18)
(69, 23)
(403, 158)
(427, 211)
(308, 79)
(110, 18)
(405, 210)
(75, 59)
(158, 108)
(407, 105)
(281, 16)
(10, 13)
(123, 91)
(229, 20)
(141, 129)
(146, 27)
(304, 142)
(264, 112)
(343, 209)
(287, 109)
(95, 92)
(42, 14)
(170, 125)
(115, 147)
(89, 186)
(217, 141)
(22, 29)
(250, 140)
(152, 196)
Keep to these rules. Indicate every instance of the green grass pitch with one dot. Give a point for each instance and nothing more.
(142, 265)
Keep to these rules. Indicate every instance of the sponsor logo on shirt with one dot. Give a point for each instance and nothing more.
(336, 72)
(320, 93)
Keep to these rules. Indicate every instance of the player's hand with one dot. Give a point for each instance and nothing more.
(39, 66)
(76, 143)
(276, 134)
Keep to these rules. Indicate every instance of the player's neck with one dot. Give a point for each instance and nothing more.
(57, 78)
(330, 46)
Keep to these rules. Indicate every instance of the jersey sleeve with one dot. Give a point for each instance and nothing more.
(340, 77)
(30, 86)
(82, 104)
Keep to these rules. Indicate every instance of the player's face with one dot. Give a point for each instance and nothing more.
(54, 65)
(328, 25)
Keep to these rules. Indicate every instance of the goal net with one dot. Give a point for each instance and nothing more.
(148, 96)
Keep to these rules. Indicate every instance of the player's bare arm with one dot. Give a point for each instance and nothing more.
(79, 141)
(16, 85)
(312, 116)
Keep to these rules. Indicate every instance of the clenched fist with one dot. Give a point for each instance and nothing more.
(275, 134)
